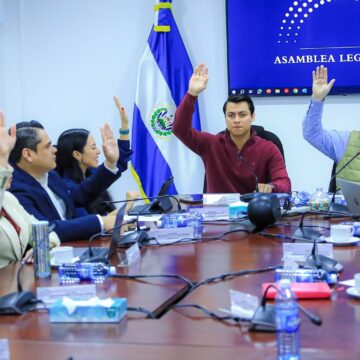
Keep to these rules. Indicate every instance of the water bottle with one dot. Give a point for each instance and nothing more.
(319, 201)
(288, 323)
(306, 275)
(41, 248)
(74, 273)
(300, 198)
(191, 219)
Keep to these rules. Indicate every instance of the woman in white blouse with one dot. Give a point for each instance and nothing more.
(15, 222)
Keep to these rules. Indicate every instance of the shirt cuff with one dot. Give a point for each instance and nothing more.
(191, 98)
(316, 104)
(114, 170)
(101, 222)
(317, 101)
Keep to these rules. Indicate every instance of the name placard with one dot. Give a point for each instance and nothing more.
(213, 213)
(299, 252)
(132, 254)
(76, 292)
(171, 235)
(220, 199)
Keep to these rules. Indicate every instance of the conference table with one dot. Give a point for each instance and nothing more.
(187, 333)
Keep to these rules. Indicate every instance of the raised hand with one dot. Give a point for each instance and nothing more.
(110, 147)
(321, 87)
(198, 80)
(7, 142)
(124, 119)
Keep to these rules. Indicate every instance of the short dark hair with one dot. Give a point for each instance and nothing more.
(236, 98)
(69, 141)
(29, 124)
(26, 137)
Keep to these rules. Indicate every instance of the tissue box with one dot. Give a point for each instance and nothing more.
(237, 210)
(93, 310)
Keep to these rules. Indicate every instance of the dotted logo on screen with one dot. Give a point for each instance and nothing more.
(295, 17)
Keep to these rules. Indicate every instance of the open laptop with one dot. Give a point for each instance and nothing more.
(351, 192)
(103, 254)
(157, 206)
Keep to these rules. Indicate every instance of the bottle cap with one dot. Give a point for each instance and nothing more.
(284, 283)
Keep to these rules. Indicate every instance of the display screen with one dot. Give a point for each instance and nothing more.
(273, 45)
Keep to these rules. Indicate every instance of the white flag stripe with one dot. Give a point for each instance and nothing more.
(153, 90)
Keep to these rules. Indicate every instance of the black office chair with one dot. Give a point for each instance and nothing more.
(332, 184)
(267, 135)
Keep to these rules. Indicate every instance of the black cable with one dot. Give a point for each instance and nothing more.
(149, 314)
(328, 214)
(211, 314)
(33, 306)
(196, 239)
(271, 286)
(275, 236)
(191, 285)
(304, 226)
(217, 237)
(231, 275)
(222, 222)
(147, 199)
(139, 276)
(316, 320)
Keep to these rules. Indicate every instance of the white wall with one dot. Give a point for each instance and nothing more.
(61, 62)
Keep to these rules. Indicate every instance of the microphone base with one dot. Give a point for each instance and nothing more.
(141, 237)
(324, 263)
(94, 259)
(339, 207)
(264, 319)
(17, 303)
(308, 235)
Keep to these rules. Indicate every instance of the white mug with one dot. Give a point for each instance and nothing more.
(357, 282)
(62, 254)
(341, 232)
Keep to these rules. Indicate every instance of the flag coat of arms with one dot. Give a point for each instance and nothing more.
(163, 79)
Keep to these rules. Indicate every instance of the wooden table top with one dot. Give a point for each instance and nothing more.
(187, 333)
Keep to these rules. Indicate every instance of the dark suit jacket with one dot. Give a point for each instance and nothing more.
(78, 224)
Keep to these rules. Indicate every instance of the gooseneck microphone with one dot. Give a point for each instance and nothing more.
(339, 207)
(264, 318)
(313, 235)
(305, 234)
(318, 261)
(241, 158)
(156, 201)
(345, 165)
(20, 301)
(107, 232)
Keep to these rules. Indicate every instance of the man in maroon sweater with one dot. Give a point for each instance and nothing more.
(236, 159)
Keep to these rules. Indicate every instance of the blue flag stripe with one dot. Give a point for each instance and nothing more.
(164, 73)
(171, 56)
(148, 160)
